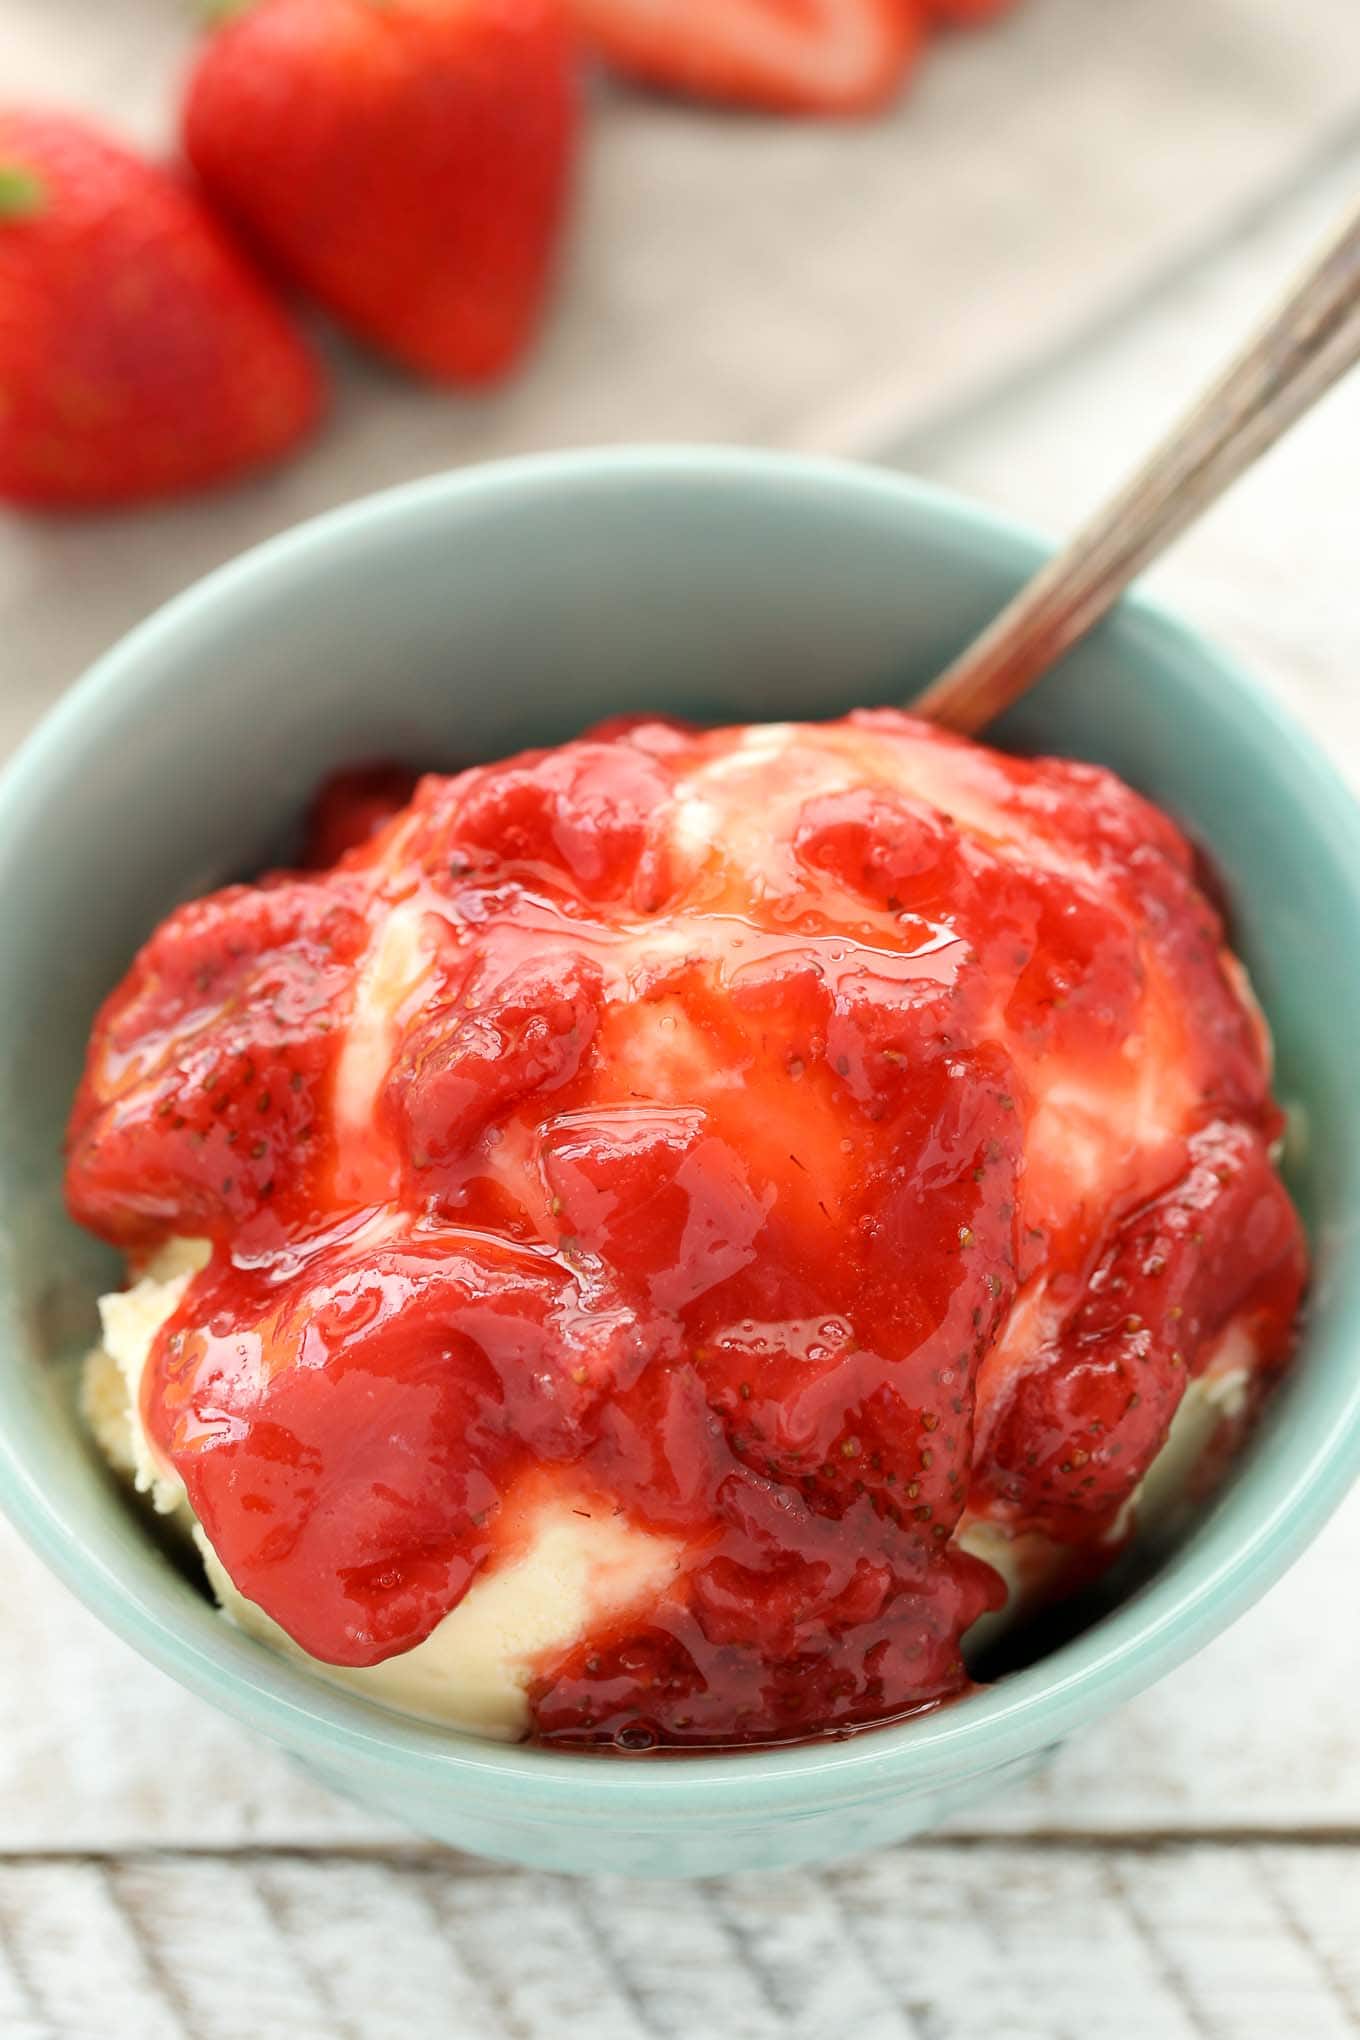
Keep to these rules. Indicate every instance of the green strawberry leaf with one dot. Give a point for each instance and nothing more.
(22, 194)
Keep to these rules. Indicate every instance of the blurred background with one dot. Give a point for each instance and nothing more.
(832, 284)
(1006, 277)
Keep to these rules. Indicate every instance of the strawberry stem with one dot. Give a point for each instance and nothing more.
(21, 192)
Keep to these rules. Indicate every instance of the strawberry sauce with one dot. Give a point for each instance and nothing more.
(794, 1142)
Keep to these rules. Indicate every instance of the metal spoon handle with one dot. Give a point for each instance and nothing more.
(1308, 342)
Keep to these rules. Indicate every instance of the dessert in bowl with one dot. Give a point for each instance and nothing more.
(763, 1190)
(659, 1238)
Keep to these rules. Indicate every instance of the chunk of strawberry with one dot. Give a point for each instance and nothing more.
(768, 1651)
(1078, 978)
(657, 1195)
(581, 815)
(463, 1069)
(849, 1374)
(1080, 1429)
(1140, 859)
(892, 851)
(204, 1097)
(346, 1433)
(885, 1042)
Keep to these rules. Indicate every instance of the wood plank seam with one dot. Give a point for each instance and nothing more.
(488, 1991)
(159, 1973)
(16, 1969)
(1348, 2000)
(292, 1931)
(916, 2014)
(418, 1855)
(1164, 1963)
(589, 1923)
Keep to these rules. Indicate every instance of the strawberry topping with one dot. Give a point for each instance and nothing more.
(795, 1144)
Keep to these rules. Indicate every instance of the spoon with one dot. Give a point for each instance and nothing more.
(1309, 340)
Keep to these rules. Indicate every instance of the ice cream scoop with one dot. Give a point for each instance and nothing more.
(811, 1159)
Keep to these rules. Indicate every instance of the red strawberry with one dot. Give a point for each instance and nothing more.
(139, 355)
(405, 161)
(791, 56)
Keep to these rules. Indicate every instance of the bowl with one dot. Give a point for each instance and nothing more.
(471, 614)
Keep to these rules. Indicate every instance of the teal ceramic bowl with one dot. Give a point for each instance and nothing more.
(467, 616)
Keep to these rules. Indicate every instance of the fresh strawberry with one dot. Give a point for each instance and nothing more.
(139, 355)
(405, 161)
(790, 56)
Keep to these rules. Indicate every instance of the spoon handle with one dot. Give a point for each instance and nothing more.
(1307, 343)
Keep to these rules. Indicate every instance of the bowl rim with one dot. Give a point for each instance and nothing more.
(1163, 1623)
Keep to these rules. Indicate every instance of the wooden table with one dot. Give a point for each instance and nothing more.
(1189, 1868)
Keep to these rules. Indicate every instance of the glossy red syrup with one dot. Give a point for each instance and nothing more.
(786, 1141)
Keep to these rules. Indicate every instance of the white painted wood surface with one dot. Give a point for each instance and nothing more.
(1189, 1868)
(989, 1940)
